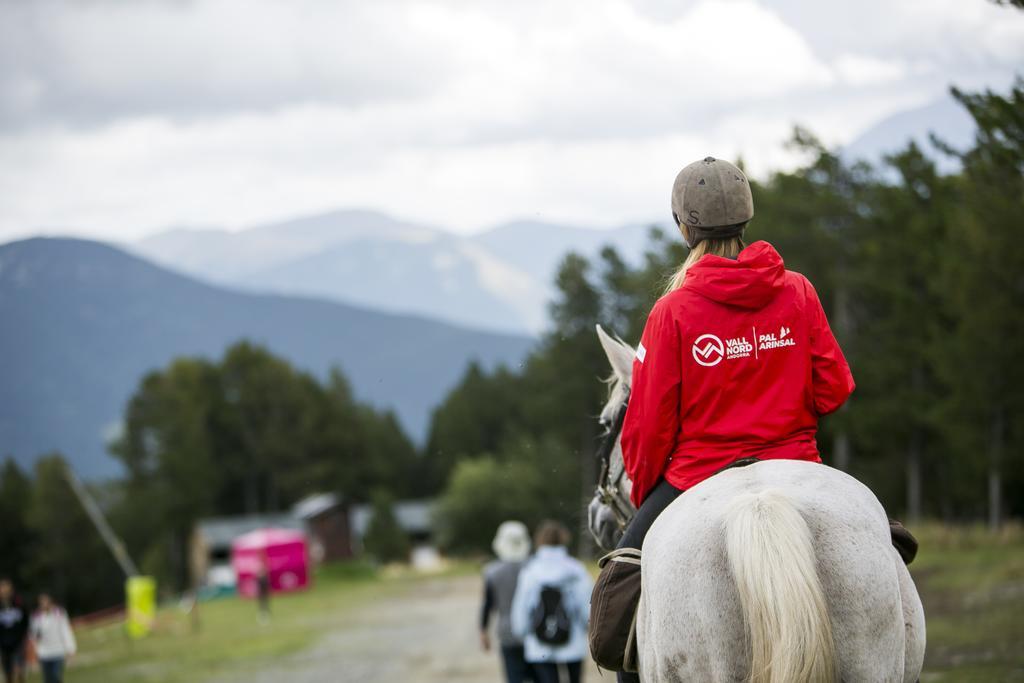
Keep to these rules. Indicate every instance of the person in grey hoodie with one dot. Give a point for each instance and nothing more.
(512, 546)
(551, 608)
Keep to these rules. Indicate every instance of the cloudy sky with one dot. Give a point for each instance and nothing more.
(118, 119)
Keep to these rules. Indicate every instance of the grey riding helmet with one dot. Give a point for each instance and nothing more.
(712, 197)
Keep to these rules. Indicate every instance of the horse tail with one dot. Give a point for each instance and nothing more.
(773, 563)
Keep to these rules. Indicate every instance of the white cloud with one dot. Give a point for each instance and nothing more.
(98, 62)
(93, 62)
(861, 70)
(120, 118)
(950, 34)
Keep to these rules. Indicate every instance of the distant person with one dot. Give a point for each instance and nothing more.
(512, 546)
(263, 588)
(52, 638)
(13, 633)
(551, 607)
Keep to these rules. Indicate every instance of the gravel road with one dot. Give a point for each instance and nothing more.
(425, 633)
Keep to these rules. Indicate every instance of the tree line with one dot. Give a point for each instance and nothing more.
(247, 433)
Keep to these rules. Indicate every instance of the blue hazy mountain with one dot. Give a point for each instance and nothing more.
(536, 247)
(83, 321)
(945, 117)
(498, 280)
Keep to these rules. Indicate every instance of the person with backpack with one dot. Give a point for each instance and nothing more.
(551, 608)
(512, 546)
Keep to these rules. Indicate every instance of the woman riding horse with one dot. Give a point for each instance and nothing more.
(736, 360)
(736, 363)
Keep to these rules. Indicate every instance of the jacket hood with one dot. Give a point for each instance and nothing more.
(749, 281)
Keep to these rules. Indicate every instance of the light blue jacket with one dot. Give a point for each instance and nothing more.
(553, 566)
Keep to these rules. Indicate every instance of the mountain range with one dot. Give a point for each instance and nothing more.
(499, 280)
(84, 321)
(944, 117)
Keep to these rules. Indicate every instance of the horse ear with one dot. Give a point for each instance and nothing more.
(620, 354)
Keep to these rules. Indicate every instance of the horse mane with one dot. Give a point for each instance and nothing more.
(618, 391)
(620, 356)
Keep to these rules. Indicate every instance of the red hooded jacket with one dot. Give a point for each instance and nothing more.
(738, 362)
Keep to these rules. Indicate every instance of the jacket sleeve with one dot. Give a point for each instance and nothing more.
(33, 629)
(523, 598)
(488, 604)
(21, 629)
(651, 425)
(70, 646)
(831, 379)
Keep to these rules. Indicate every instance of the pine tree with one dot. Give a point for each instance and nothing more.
(385, 540)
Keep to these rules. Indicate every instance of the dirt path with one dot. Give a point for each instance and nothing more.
(426, 633)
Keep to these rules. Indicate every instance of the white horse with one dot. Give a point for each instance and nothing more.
(779, 572)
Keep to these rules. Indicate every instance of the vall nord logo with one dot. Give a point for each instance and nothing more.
(708, 350)
(738, 347)
(766, 342)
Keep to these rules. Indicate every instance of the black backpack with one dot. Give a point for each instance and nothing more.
(551, 623)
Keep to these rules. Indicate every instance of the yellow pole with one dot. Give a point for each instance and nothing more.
(140, 592)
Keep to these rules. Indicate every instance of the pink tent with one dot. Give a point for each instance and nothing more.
(283, 551)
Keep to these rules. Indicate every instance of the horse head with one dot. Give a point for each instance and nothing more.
(611, 509)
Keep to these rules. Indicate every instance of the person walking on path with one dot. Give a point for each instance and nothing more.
(263, 588)
(512, 547)
(53, 639)
(551, 607)
(13, 633)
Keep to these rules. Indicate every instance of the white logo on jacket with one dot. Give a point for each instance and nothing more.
(767, 342)
(708, 350)
(738, 347)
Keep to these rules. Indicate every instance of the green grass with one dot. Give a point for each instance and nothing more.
(972, 585)
(229, 636)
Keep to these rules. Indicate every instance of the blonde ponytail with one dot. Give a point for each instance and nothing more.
(727, 248)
